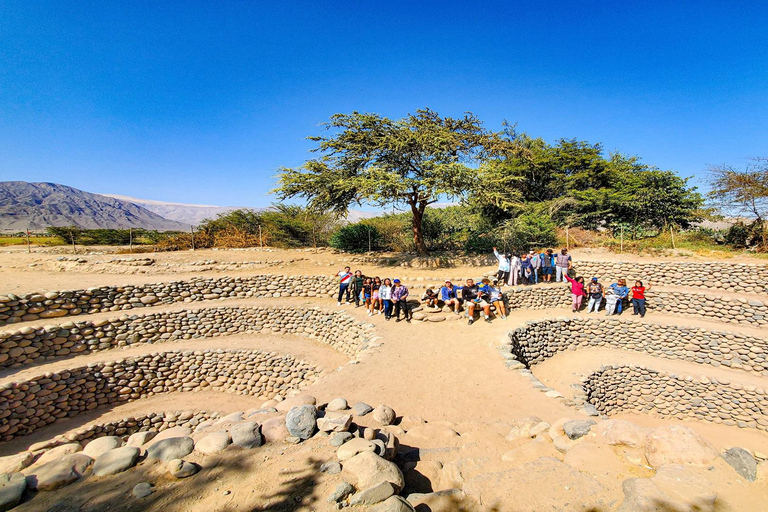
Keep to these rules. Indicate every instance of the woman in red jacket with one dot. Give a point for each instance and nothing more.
(638, 298)
(577, 290)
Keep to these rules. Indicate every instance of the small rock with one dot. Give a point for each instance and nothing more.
(58, 452)
(170, 449)
(340, 438)
(115, 461)
(337, 404)
(743, 462)
(141, 438)
(12, 486)
(212, 443)
(577, 428)
(301, 421)
(334, 424)
(182, 469)
(373, 495)
(343, 490)
(102, 445)
(392, 504)
(361, 409)
(354, 447)
(332, 468)
(384, 414)
(274, 429)
(246, 435)
(370, 470)
(142, 490)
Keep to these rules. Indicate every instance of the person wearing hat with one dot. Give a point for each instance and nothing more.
(620, 289)
(472, 295)
(400, 299)
(448, 294)
(596, 294)
(497, 298)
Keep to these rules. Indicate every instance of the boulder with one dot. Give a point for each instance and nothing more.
(295, 401)
(342, 490)
(115, 461)
(743, 462)
(274, 429)
(246, 435)
(58, 452)
(577, 428)
(59, 473)
(677, 444)
(181, 468)
(354, 447)
(141, 438)
(172, 432)
(339, 423)
(170, 449)
(384, 414)
(369, 469)
(373, 495)
(337, 404)
(12, 486)
(392, 504)
(301, 421)
(102, 445)
(621, 433)
(15, 463)
(212, 443)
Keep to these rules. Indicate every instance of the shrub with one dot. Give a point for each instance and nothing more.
(356, 238)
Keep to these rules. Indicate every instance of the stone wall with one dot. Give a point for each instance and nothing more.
(695, 304)
(636, 389)
(35, 344)
(724, 276)
(538, 340)
(32, 404)
(36, 306)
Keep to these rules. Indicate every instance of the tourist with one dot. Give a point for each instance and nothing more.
(430, 299)
(621, 290)
(563, 263)
(514, 270)
(577, 291)
(638, 298)
(385, 295)
(472, 297)
(356, 287)
(526, 271)
(345, 277)
(497, 299)
(400, 299)
(596, 295)
(547, 265)
(368, 294)
(376, 304)
(611, 299)
(449, 296)
(535, 266)
(503, 272)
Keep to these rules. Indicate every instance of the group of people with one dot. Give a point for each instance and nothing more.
(390, 296)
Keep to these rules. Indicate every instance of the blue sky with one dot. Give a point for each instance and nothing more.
(201, 102)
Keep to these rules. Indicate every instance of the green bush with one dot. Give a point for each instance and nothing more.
(357, 238)
(529, 231)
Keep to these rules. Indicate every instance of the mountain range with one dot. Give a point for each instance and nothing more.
(39, 205)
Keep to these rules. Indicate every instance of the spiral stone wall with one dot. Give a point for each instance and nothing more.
(29, 405)
(36, 306)
(539, 340)
(34, 344)
(626, 388)
(724, 276)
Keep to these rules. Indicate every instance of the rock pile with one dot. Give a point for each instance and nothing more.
(33, 344)
(29, 405)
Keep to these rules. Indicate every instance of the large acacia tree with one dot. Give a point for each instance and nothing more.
(408, 163)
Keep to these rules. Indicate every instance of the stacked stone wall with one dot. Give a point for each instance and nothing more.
(35, 344)
(627, 388)
(55, 304)
(539, 340)
(722, 276)
(157, 421)
(739, 310)
(29, 405)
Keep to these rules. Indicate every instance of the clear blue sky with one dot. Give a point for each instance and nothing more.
(202, 102)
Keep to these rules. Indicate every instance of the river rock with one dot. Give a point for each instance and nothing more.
(115, 461)
(743, 462)
(354, 447)
(12, 486)
(274, 429)
(369, 469)
(102, 445)
(392, 504)
(342, 490)
(337, 404)
(212, 443)
(340, 438)
(373, 495)
(58, 452)
(142, 490)
(300, 421)
(361, 409)
(384, 414)
(246, 435)
(181, 468)
(334, 424)
(59, 473)
(577, 428)
(15, 463)
(170, 449)
(141, 438)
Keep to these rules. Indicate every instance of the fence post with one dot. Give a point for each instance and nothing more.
(621, 251)
(130, 239)
(567, 239)
(261, 240)
(29, 245)
(192, 230)
(671, 232)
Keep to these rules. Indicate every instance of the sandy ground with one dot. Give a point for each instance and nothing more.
(448, 373)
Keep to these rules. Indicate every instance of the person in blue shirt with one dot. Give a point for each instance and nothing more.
(620, 289)
(547, 265)
(449, 296)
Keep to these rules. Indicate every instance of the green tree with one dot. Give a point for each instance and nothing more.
(411, 162)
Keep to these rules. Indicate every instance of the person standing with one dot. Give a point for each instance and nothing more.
(577, 291)
(345, 278)
(376, 305)
(547, 265)
(356, 287)
(535, 266)
(596, 295)
(638, 298)
(449, 297)
(368, 295)
(621, 291)
(400, 299)
(385, 295)
(503, 273)
(526, 271)
(515, 266)
(563, 263)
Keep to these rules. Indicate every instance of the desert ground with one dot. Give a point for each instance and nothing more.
(457, 401)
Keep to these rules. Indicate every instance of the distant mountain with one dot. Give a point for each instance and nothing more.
(39, 205)
(188, 214)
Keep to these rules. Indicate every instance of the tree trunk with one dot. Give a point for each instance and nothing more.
(418, 235)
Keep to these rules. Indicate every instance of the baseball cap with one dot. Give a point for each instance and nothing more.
(594, 280)
(396, 281)
(447, 280)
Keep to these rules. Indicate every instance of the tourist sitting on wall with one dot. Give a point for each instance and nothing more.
(611, 300)
(497, 299)
(385, 295)
(503, 272)
(638, 298)
(578, 292)
(430, 299)
(596, 294)
(449, 296)
(621, 290)
(473, 299)
(400, 299)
